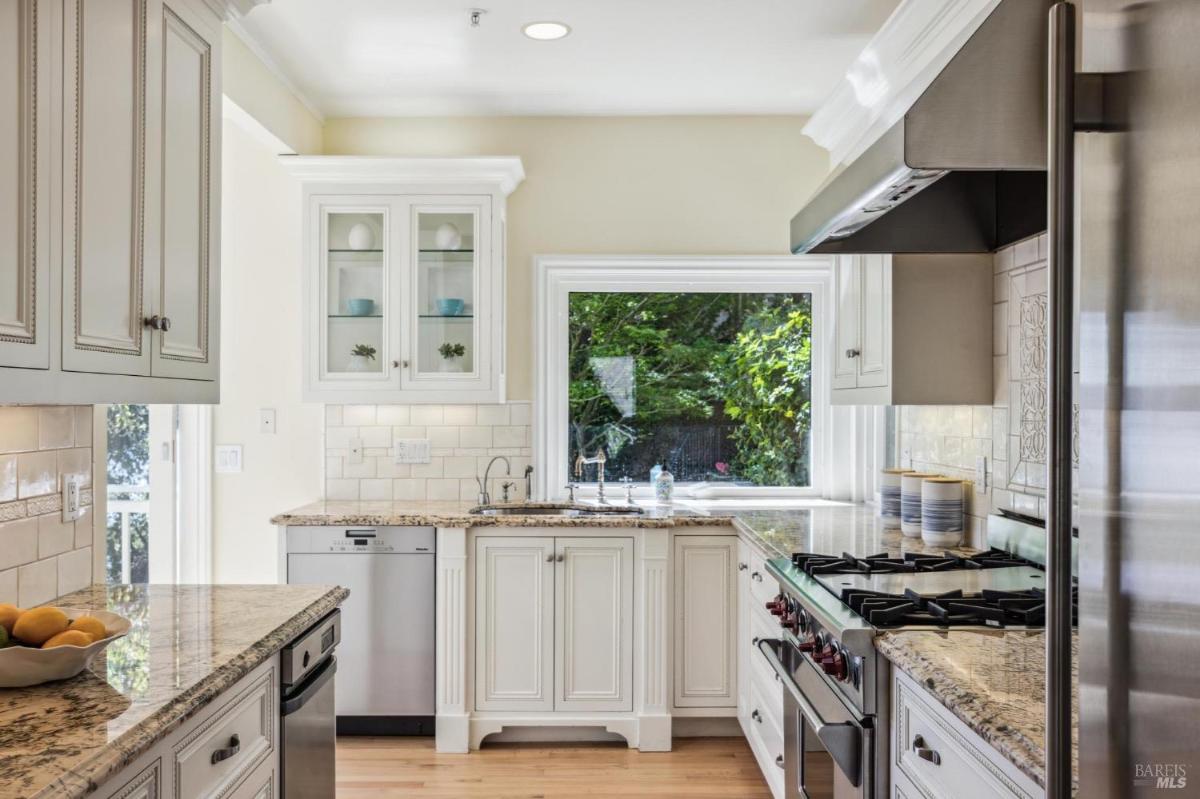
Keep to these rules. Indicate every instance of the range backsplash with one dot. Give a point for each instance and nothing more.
(40, 556)
(1010, 433)
(463, 438)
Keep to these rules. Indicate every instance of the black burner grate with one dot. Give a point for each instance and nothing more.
(988, 608)
(911, 562)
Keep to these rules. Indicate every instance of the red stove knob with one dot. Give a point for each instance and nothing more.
(833, 662)
(778, 605)
(809, 644)
(788, 621)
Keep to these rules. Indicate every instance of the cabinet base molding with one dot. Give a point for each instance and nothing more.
(628, 728)
(452, 733)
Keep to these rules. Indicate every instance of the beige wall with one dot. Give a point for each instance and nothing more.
(617, 185)
(248, 82)
(260, 362)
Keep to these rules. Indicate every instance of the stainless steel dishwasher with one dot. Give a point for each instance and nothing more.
(385, 680)
(307, 729)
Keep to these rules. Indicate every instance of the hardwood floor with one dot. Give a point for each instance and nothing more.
(404, 767)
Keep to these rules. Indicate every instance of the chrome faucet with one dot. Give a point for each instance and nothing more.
(599, 460)
(528, 483)
(484, 497)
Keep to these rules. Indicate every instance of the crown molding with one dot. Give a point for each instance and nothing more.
(231, 9)
(255, 46)
(505, 172)
(893, 70)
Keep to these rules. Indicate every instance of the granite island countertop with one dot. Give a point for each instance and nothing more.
(815, 525)
(994, 681)
(188, 644)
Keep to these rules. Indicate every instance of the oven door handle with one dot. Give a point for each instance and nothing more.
(842, 739)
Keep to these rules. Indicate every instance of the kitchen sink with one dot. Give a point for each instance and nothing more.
(556, 510)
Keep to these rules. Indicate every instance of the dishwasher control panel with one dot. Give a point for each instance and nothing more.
(361, 540)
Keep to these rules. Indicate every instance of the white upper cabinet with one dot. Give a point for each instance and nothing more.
(912, 330)
(25, 68)
(114, 202)
(404, 267)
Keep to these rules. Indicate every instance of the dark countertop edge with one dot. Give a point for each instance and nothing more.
(85, 778)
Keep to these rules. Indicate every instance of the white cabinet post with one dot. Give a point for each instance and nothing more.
(654, 603)
(452, 721)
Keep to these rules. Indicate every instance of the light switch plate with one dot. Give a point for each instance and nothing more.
(355, 454)
(981, 475)
(411, 450)
(266, 421)
(72, 508)
(227, 459)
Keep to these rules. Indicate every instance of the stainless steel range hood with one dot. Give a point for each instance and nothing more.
(964, 169)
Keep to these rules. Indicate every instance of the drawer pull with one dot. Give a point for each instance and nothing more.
(924, 752)
(779, 761)
(756, 577)
(742, 567)
(756, 716)
(235, 746)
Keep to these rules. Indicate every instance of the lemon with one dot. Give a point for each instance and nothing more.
(37, 626)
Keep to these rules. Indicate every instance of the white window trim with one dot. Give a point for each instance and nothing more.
(557, 276)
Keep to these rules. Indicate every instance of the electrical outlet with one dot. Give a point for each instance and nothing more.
(906, 459)
(356, 451)
(981, 485)
(266, 421)
(72, 508)
(411, 450)
(227, 459)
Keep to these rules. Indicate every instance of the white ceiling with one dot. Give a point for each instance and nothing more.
(422, 58)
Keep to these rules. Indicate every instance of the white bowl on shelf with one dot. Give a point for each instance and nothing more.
(23, 666)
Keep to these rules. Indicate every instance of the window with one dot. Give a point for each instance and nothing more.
(708, 367)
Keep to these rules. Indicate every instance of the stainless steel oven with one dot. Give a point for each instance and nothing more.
(830, 750)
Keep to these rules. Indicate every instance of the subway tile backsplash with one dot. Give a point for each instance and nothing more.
(462, 439)
(41, 557)
(1010, 432)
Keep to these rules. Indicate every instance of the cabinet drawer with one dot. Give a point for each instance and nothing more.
(766, 735)
(262, 784)
(212, 760)
(763, 587)
(146, 785)
(960, 768)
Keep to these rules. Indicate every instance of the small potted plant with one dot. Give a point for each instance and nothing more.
(451, 353)
(361, 357)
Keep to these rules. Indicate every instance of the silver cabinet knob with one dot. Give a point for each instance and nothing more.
(852, 353)
(779, 760)
(743, 566)
(395, 364)
(756, 576)
(157, 322)
(756, 716)
(924, 752)
(550, 558)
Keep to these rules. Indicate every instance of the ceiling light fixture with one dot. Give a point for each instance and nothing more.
(546, 31)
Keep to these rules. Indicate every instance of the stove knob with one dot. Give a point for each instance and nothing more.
(778, 605)
(809, 644)
(833, 662)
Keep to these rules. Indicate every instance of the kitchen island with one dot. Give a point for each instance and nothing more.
(190, 648)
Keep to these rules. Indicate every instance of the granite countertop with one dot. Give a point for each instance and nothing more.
(188, 644)
(994, 681)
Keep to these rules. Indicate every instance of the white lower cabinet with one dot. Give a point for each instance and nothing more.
(242, 724)
(554, 623)
(936, 756)
(760, 694)
(706, 621)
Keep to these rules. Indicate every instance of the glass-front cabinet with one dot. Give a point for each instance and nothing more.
(404, 290)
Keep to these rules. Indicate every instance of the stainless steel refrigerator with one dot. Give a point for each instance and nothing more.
(1136, 255)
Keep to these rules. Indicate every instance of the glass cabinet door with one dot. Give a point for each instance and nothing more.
(355, 294)
(448, 246)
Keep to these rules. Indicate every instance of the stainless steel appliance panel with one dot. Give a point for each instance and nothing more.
(308, 736)
(387, 648)
(1140, 417)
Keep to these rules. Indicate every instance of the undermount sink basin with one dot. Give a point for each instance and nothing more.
(555, 510)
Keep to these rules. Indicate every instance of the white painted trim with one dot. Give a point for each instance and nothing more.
(892, 71)
(556, 276)
(505, 172)
(257, 130)
(260, 52)
(230, 10)
(194, 543)
(100, 494)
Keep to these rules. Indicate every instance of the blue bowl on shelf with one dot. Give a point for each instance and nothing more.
(360, 307)
(450, 306)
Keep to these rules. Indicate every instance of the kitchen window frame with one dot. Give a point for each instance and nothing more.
(556, 277)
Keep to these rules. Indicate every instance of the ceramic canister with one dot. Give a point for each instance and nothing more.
(942, 511)
(889, 497)
(910, 502)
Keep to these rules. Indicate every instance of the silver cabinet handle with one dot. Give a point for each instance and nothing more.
(924, 752)
(561, 558)
(756, 576)
(743, 566)
(779, 761)
(853, 353)
(550, 558)
(157, 322)
(756, 716)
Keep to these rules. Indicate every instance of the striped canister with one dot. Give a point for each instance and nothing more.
(910, 502)
(942, 512)
(889, 497)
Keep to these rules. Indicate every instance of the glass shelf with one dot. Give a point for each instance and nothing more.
(335, 249)
(464, 252)
(447, 316)
(355, 316)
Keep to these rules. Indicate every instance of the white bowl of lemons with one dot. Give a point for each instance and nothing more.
(46, 644)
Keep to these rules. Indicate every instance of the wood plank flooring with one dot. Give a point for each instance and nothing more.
(698, 768)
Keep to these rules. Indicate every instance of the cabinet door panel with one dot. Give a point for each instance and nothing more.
(24, 202)
(845, 330)
(514, 623)
(705, 621)
(185, 258)
(875, 321)
(104, 169)
(594, 624)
